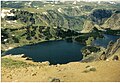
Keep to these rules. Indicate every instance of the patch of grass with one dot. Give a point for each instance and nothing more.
(9, 63)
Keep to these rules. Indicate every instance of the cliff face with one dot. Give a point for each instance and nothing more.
(113, 22)
(88, 26)
(61, 19)
(102, 20)
(113, 49)
(98, 16)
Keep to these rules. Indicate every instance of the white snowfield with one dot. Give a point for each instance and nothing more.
(5, 12)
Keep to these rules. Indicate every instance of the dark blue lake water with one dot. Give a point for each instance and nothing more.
(53, 51)
(104, 41)
(57, 51)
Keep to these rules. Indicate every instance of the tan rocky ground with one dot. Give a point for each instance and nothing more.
(99, 71)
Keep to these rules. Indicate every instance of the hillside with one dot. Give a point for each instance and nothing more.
(100, 71)
(102, 20)
(32, 22)
(113, 22)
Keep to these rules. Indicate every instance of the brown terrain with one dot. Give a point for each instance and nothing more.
(97, 71)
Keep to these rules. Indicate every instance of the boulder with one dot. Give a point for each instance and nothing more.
(115, 58)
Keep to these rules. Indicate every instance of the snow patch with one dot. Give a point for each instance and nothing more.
(6, 13)
(5, 40)
(111, 2)
(45, 13)
(55, 27)
(60, 10)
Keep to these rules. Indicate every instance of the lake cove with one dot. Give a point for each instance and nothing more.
(104, 41)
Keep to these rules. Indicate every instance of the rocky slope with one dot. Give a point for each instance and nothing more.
(102, 20)
(110, 52)
(113, 49)
(113, 22)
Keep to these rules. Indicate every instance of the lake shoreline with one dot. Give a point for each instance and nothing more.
(12, 46)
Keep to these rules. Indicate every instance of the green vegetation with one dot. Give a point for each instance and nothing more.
(89, 49)
(89, 41)
(112, 32)
(9, 63)
(88, 38)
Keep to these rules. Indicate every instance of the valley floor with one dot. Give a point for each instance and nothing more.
(99, 71)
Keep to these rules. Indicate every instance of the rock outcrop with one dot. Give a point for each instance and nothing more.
(88, 26)
(98, 16)
(113, 22)
(102, 20)
(113, 49)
